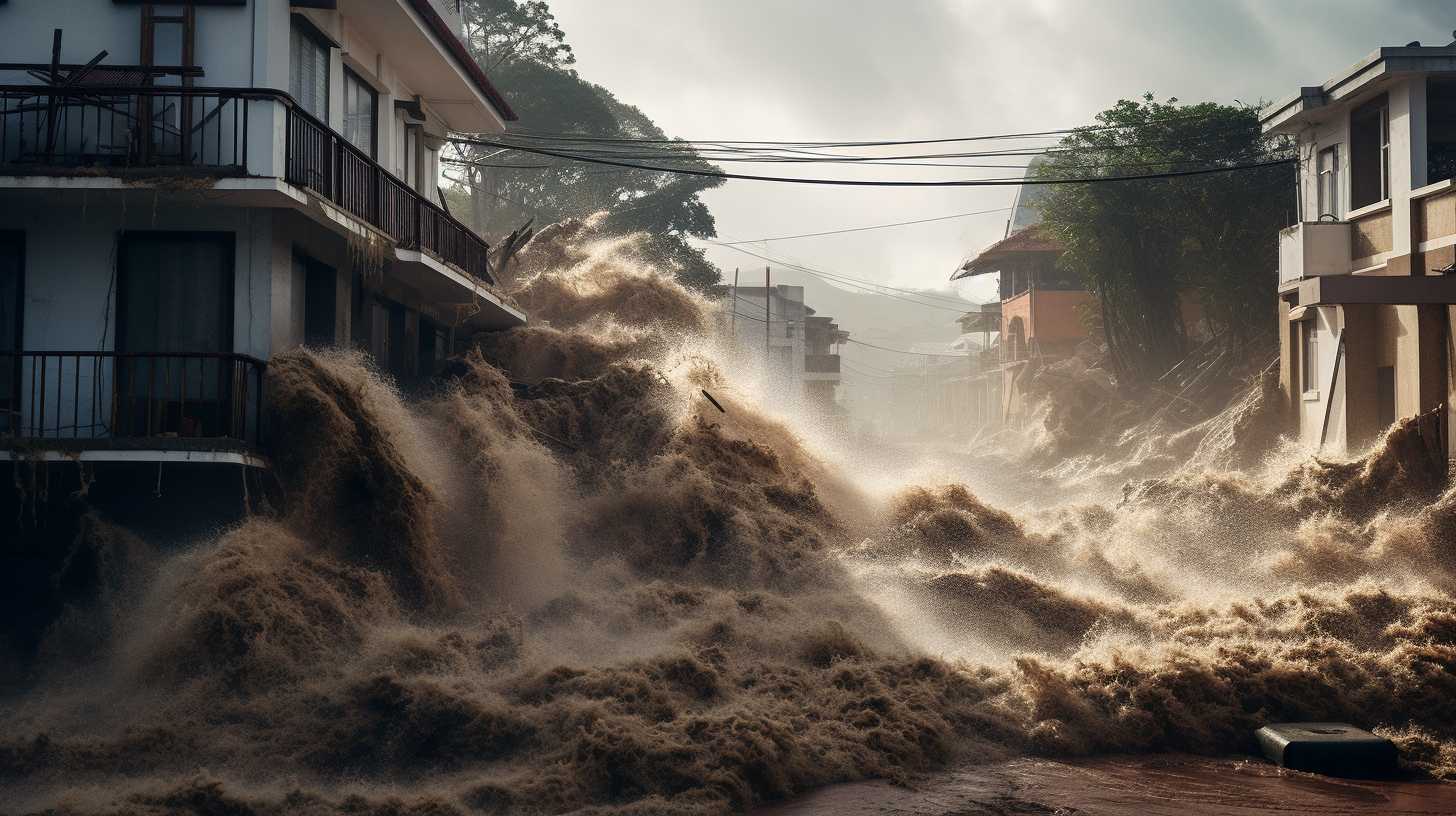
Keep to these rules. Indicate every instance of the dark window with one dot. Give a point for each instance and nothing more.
(360, 118)
(399, 352)
(1385, 395)
(1440, 130)
(1370, 153)
(12, 290)
(320, 304)
(359, 314)
(308, 78)
(432, 347)
(175, 294)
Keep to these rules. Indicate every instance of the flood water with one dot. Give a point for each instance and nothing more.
(566, 582)
(1162, 785)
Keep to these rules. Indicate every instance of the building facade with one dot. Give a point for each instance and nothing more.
(188, 189)
(1041, 307)
(1365, 290)
(797, 349)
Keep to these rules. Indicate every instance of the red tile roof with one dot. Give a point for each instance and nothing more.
(1030, 240)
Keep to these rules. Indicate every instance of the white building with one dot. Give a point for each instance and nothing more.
(796, 348)
(1365, 290)
(230, 179)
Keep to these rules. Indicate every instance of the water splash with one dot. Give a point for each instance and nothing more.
(563, 582)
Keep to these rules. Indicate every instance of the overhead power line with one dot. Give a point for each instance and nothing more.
(870, 287)
(989, 182)
(911, 353)
(865, 229)
(872, 143)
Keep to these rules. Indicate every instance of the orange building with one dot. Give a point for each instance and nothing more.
(1042, 306)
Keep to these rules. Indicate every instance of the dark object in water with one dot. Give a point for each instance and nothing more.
(715, 402)
(1334, 749)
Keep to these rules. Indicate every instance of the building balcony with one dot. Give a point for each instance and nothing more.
(131, 406)
(1314, 248)
(821, 363)
(178, 137)
(821, 367)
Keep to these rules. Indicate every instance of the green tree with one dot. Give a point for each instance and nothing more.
(523, 47)
(1146, 247)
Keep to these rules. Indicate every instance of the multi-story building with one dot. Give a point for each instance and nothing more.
(187, 189)
(1365, 290)
(822, 337)
(796, 347)
(1041, 305)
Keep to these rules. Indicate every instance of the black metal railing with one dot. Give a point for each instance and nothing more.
(322, 160)
(97, 126)
(89, 395)
(172, 128)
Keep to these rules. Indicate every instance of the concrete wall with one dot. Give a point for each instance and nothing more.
(70, 296)
(1057, 316)
(225, 44)
(1312, 405)
(1411, 339)
(71, 258)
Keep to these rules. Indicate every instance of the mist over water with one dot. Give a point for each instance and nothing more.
(565, 581)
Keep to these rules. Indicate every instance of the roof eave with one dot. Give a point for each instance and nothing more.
(461, 55)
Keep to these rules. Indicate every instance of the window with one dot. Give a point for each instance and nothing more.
(320, 300)
(1309, 356)
(360, 106)
(1440, 130)
(175, 294)
(12, 280)
(1370, 153)
(1327, 194)
(308, 78)
(407, 162)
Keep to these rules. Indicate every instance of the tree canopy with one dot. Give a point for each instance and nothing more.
(523, 47)
(1149, 248)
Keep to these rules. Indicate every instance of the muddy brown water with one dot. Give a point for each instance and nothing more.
(564, 582)
(1176, 785)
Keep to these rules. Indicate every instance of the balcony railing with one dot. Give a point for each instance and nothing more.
(821, 363)
(107, 396)
(99, 127)
(180, 130)
(1314, 248)
(324, 161)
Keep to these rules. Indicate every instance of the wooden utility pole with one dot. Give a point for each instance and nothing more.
(767, 320)
(733, 320)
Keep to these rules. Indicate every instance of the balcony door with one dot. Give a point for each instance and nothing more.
(361, 113)
(12, 290)
(174, 318)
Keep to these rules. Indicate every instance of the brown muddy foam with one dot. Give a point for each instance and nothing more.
(588, 591)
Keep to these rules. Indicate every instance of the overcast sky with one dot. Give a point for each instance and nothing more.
(822, 70)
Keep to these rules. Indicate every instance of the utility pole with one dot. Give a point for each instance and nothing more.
(767, 321)
(733, 320)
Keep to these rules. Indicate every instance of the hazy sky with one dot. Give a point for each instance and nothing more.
(821, 70)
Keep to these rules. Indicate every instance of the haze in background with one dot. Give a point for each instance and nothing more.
(822, 70)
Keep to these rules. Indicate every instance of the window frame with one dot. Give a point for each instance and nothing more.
(359, 82)
(1327, 184)
(1309, 357)
(303, 29)
(1369, 143)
